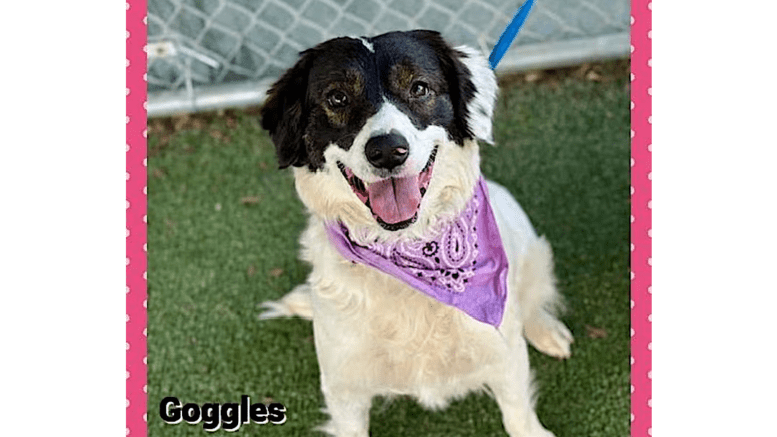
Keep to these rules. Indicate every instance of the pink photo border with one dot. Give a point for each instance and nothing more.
(136, 419)
(641, 219)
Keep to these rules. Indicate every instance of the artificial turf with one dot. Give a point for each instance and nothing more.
(223, 224)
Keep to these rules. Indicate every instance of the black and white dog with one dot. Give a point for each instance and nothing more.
(426, 280)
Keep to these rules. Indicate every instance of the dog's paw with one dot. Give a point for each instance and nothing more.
(296, 303)
(549, 335)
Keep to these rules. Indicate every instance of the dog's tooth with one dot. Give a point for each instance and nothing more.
(343, 170)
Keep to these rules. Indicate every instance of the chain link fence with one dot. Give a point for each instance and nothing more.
(212, 54)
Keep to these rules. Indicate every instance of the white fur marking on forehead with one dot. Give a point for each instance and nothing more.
(481, 108)
(389, 118)
(367, 44)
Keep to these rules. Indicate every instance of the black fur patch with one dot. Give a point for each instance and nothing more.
(327, 97)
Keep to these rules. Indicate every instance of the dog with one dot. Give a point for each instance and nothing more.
(381, 134)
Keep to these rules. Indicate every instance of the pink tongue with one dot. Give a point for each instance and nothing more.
(395, 200)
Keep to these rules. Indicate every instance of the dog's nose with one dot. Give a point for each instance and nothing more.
(387, 151)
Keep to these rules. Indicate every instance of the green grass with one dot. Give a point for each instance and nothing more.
(223, 225)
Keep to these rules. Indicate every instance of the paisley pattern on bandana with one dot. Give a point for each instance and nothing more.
(448, 258)
(463, 264)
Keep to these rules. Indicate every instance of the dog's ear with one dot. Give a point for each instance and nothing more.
(480, 108)
(284, 113)
(472, 87)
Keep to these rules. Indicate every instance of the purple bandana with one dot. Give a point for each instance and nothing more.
(463, 265)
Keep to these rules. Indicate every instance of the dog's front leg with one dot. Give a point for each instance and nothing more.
(349, 411)
(347, 401)
(512, 389)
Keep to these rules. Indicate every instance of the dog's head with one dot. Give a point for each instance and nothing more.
(376, 126)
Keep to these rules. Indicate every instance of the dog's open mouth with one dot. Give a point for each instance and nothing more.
(394, 202)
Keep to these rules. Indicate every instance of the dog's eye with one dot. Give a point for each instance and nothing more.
(337, 99)
(419, 89)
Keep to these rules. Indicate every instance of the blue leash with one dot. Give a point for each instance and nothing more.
(509, 34)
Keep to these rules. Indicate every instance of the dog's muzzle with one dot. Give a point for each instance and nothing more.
(393, 201)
